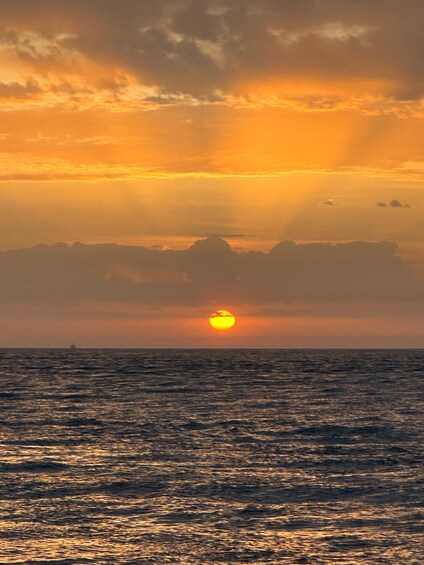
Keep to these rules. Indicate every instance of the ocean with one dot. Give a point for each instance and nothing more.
(211, 457)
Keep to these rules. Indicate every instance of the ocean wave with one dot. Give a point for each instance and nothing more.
(209, 457)
(43, 466)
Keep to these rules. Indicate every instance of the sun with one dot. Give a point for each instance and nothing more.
(222, 320)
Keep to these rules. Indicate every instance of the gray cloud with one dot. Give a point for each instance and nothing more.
(395, 203)
(208, 272)
(206, 48)
(227, 235)
(17, 91)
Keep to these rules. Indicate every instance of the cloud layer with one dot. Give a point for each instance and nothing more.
(185, 51)
(208, 272)
(189, 87)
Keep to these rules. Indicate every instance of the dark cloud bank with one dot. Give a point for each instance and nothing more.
(207, 272)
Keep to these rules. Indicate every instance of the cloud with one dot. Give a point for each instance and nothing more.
(208, 272)
(228, 235)
(167, 50)
(395, 203)
(18, 91)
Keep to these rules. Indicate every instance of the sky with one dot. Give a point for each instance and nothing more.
(162, 159)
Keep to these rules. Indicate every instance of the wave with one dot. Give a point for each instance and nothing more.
(36, 466)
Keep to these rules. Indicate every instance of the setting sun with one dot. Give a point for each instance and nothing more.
(222, 320)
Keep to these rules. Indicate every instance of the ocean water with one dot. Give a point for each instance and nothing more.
(211, 457)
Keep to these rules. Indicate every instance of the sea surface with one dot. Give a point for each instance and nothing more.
(211, 457)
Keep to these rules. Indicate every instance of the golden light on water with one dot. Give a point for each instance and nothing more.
(222, 320)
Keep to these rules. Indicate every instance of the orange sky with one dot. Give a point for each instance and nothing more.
(156, 124)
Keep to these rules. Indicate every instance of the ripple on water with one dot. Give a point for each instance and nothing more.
(207, 457)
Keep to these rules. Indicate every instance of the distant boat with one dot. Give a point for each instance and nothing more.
(72, 347)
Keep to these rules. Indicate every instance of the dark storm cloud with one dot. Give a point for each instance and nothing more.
(207, 272)
(204, 48)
